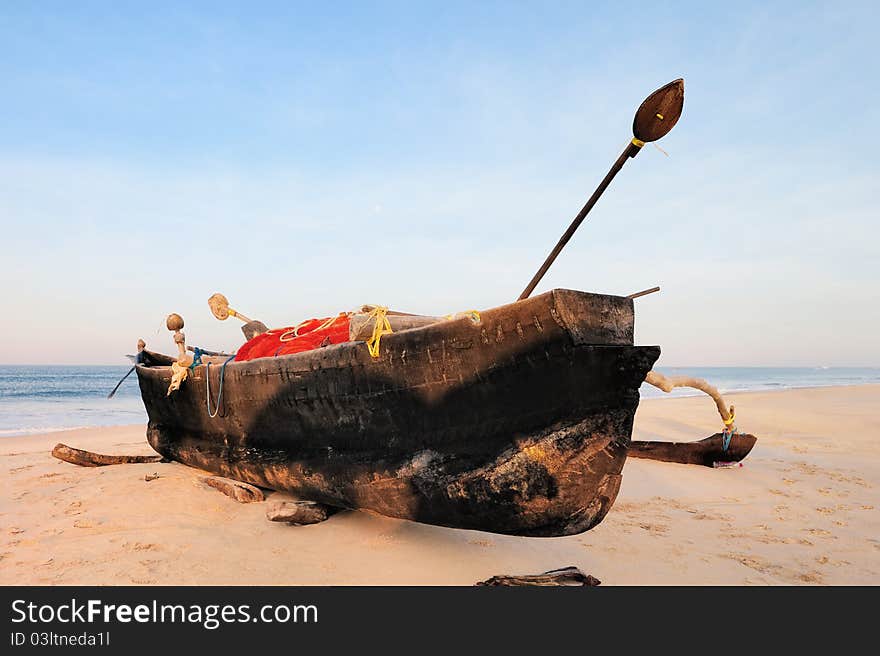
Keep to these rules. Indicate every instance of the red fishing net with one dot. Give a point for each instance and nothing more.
(308, 335)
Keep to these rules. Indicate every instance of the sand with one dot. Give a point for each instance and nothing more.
(802, 510)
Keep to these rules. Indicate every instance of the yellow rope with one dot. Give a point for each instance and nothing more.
(474, 315)
(729, 422)
(381, 327)
(295, 330)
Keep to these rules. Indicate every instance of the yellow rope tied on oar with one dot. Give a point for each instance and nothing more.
(381, 327)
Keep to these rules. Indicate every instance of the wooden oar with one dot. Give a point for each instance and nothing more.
(656, 116)
(220, 308)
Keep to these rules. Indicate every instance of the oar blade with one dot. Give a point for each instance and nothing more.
(659, 113)
(219, 306)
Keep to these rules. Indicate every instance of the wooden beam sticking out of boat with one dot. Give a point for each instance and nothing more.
(563, 576)
(89, 459)
(241, 492)
(668, 383)
(707, 451)
(644, 292)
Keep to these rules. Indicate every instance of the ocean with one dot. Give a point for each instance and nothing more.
(41, 399)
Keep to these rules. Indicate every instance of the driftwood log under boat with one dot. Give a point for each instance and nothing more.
(90, 459)
(708, 451)
(516, 420)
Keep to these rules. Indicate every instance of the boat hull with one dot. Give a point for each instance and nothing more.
(518, 423)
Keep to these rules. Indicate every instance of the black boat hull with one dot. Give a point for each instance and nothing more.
(518, 423)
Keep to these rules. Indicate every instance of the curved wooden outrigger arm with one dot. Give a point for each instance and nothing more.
(668, 383)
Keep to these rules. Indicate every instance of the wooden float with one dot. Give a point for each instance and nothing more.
(708, 451)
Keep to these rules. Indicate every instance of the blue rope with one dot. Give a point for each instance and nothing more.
(197, 358)
(208, 386)
(727, 435)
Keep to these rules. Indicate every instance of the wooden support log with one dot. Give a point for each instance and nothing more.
(241, 492)
(299, 512)
(89, 459)
(564, 576)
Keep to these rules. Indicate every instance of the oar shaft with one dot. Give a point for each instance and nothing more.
(238, 315)
(631, 150)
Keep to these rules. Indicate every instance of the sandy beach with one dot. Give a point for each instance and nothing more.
(801, 510)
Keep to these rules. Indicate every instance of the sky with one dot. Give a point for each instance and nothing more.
(305, 159)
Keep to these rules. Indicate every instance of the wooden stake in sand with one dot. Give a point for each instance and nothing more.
(89, 459)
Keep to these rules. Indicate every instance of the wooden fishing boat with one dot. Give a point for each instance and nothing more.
(515, 420)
